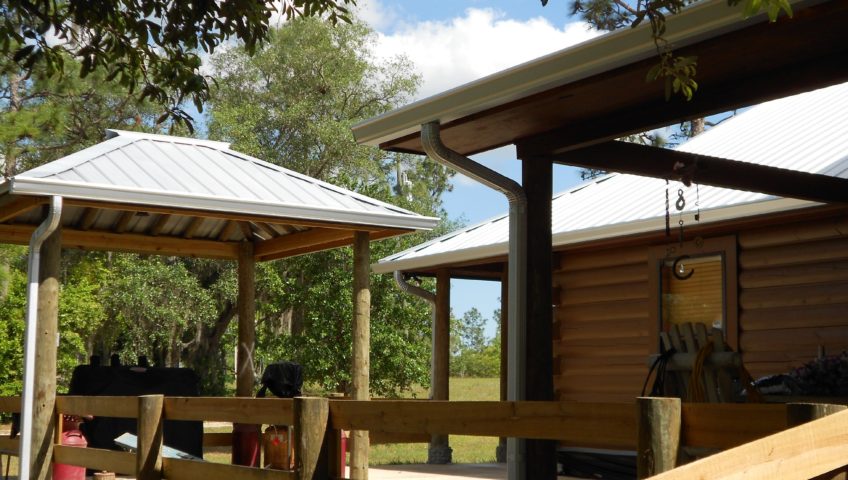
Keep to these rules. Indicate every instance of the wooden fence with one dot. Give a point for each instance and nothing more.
(317, 421)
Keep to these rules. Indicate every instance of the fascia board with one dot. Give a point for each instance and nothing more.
(108, 193)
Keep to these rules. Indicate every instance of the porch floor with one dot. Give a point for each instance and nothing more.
(492, 471)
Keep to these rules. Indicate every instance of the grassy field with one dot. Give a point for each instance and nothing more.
(465, 449)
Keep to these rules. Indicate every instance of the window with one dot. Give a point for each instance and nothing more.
(694, 283)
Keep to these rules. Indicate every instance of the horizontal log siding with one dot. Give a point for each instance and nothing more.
(601, 325)
(793, 282)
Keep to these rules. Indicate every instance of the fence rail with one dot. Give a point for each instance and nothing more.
(317, 421)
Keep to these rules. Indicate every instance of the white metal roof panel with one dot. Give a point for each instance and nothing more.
(805, 132)
(160, 170)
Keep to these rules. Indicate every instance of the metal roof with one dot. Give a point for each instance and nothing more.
(469, 103)
(805, 132)
(187, 189)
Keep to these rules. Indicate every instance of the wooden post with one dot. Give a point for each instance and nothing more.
(537, 178)
(500, 450)
(150, 425)
(361, 349)
(440, 451)
(800, 413)
(247, 320)
(311, 419)
(659, 435)
(47, 335)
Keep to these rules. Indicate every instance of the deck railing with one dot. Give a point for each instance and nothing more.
(317, 422)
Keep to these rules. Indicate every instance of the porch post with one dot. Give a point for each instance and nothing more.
(440, 451)
(44, 417)
(537, 180)
(361, 349)
(247, 320)
(500, 450)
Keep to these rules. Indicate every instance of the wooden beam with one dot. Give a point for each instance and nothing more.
(13, 205)
(734, 92)
(124, 222)
(227, 231)
(156, 229)
(89, 215)
(703, 169)
(150, 430)
(191, 229)
(537, 181)
(47, 324)
(287, 245)
(311, 416)
(439, 451)
(217, 215)
(659, 435)
(265, 230)
(272, 411)
(127, 242)
(96, 459)
(361, 335)
(246, 231)
(246, 321)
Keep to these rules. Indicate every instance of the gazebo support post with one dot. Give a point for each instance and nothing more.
(537, 177)
(500, 450)
(440, 451)
(44, 416)
(361, 349)
(246, 438)
(247, 320)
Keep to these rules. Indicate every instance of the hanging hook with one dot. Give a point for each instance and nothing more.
(678, 272)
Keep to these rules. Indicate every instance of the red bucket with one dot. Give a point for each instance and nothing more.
(70, 438)
(246, 445)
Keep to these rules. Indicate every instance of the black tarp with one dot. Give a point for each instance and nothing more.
(101, 432)
(284, 379)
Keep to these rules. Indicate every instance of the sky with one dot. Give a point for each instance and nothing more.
(453, 42)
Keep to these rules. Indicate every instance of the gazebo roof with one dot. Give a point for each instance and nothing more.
(170, 195)
(803, 133)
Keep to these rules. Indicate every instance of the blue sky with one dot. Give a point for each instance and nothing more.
(453, 42)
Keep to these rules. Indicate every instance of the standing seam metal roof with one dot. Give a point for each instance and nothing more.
(805, 132)
(178, 172)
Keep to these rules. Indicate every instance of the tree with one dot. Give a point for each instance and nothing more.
(472, 354)
(151, 47)
(678, 72)
(292, 103)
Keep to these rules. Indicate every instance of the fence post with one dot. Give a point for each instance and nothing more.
(659, 435)
(311, 415)
(149, 451)
(800, 413)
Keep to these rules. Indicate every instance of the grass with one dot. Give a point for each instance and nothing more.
(466, 449)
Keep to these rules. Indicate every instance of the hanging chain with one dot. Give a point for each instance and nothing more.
(667, 213)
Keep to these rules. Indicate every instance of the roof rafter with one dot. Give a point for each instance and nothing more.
(706, 170)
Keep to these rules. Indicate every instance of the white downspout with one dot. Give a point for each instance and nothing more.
(430, 298)
(41, 233)
(517, 278)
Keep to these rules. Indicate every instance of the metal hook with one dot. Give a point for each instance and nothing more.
(675, 272)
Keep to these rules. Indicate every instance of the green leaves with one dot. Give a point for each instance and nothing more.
(771, 7)
(153, 40)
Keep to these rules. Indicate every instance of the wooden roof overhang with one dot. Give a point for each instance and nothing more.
(163, 230)
(740, 63)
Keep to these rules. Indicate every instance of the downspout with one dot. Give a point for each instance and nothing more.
(41, 233)
(436, 150)
(430, 298)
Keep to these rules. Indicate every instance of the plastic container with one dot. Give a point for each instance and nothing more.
(246, 445)
(278, 450)
(70, 438)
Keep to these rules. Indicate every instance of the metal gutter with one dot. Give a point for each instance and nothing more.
(573, 237)
(134, 195)
(41, 233)
(700, 21)
(439, 152)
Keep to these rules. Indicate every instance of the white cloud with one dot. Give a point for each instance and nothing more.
(453, 52)
(376, 14)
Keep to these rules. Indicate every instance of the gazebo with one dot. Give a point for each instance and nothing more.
(570, 106)
(164, 195)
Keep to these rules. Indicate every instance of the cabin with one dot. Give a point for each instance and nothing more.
(770, 272)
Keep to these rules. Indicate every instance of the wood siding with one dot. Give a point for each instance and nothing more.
(792, 300)
(793, 281)
(601, 321)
